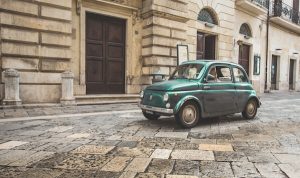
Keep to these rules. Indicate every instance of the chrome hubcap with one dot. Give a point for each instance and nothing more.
(189, 114)
(251, 108)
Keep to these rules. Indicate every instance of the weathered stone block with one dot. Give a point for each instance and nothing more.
(20, 63)
(40, 93)
(165, 23)
(11, 144)
(93, 149)
(67, 90)
(192, 155)
(65, 3)
(156, 50)
(56, 13)
(138, 165)
(156, 69)
(164, 61)
(19, 6)
(53, 65)
(55, 52)
(11, 87)
(40, 77)
(35, 23)
(156, 30)
(19, 49)
(162, 41)
(178, 34)
(56, 39)
(19, 35)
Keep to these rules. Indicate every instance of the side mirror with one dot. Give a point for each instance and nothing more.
(210, 78)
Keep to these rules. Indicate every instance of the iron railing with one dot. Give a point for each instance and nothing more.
(280, 9)
(263, 3)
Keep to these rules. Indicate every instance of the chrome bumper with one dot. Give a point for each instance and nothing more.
(156, 109)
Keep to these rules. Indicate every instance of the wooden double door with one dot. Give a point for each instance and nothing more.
(105, 54)
(206, 46)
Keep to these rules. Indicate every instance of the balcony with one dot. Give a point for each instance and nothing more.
(258, 7)
(285, 16)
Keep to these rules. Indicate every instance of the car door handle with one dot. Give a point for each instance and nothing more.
(206, 87)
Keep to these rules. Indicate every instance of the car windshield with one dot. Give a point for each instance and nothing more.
(187, 71)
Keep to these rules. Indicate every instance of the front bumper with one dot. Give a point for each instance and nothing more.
(156, 109)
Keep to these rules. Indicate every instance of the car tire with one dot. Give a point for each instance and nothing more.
(151, 116)
(188, 115)
(250, 109)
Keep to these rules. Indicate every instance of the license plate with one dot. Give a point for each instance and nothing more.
(149, 112)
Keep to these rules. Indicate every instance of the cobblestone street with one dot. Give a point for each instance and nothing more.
(118, 141)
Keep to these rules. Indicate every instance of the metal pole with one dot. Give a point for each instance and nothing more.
(267, 47)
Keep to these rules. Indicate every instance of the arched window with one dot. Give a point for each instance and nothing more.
(245, 30)
(205, 15)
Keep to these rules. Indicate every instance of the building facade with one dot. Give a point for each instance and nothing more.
(117, 46)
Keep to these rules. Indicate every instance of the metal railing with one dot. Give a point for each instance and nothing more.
(263, 3)
(280, 9)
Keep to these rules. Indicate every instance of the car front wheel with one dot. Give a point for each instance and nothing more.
(250, 109)
(150, 116)
(188, 116)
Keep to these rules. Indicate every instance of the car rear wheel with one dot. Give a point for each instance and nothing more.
(150, 116)
(250, 109)
(188, 115)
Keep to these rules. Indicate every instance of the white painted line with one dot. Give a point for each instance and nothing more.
(67, 115)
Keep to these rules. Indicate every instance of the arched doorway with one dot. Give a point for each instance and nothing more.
(206, 43)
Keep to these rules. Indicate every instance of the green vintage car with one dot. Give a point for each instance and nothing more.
(201, 89)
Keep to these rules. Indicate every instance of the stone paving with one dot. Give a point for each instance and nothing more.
(124, 144)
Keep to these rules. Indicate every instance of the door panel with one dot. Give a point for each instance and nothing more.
(210, 45)
(200, 45)
(274, 73)
(219, 96)
(244, 55)
(105, 55)
(291, 75)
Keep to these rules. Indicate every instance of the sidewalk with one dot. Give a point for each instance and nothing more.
(60, 110)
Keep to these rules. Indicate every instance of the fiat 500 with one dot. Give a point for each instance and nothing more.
(201, 89)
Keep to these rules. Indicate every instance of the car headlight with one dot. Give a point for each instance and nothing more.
(142, 94)
(166, 97)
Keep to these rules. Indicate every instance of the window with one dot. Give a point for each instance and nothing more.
(245, 30)
(187, 71)
(205, 15)
(219, 74)
(239, 75)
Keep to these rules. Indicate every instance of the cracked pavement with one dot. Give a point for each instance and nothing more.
(121, 143)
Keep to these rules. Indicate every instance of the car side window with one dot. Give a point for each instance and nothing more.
(239, 75)
(219, 74)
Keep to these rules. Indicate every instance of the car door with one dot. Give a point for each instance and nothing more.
(243, 87)
(219, 91)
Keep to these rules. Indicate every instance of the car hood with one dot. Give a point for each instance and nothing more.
(174, 85)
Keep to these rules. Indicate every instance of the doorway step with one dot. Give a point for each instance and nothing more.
(107, 99)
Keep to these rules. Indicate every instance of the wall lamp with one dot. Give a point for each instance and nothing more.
(247, 37)
(210, 25)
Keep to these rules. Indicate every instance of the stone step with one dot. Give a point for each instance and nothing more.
(107, 99)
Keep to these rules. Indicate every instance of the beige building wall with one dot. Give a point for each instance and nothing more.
(284, 44)
(36, 40)
(257, 42)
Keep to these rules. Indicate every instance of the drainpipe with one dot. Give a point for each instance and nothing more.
(267, 48)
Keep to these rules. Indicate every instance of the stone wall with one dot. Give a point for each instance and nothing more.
(164, 27)
(286, 46)
(36, 40)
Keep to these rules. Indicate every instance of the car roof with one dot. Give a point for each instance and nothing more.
(209, 62)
